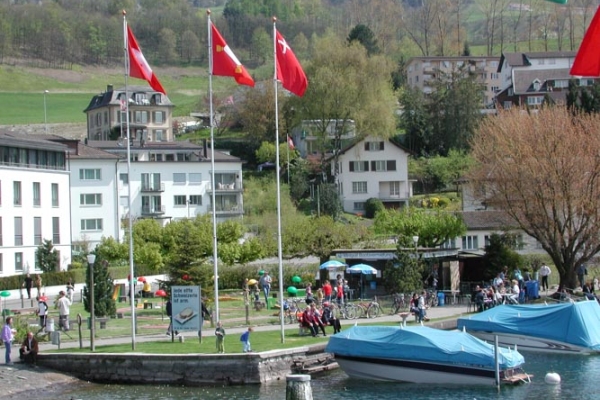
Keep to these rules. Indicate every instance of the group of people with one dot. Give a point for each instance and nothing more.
(418, 306)
(29, 348)
(339, 293)
(315, 318)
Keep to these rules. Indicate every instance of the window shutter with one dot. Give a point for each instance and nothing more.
(373, 166)
(381, 145)
(391, 165)
(351, 166)
(366, 146)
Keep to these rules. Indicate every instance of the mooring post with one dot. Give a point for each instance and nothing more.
(298, 387)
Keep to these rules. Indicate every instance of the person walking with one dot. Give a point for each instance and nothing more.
(7, 336)
(265, 283)
(38, 284)
(245, 339)
(169, 307)
(42, 312)
(28, 284)
(545, 272)
(220, 334)
(64, 308)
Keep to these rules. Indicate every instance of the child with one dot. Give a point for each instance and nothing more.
(245, 339)
(220, 333)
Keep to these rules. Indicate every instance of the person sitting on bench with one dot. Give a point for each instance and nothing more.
(146, 289)
(29, 350)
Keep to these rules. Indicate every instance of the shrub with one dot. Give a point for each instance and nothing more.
(372, 206)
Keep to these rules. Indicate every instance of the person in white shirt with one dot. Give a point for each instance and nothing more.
(514, 293)
(64, 307)
(545, 272)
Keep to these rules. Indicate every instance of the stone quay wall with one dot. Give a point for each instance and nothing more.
(184, 369)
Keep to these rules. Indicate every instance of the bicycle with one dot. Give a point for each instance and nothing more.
(346, 310)
(369, 310)
(432, 299)
(398, 303)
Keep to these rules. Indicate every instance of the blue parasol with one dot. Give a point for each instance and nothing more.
(332, 265)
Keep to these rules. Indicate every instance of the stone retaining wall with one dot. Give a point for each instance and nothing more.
(184, 369)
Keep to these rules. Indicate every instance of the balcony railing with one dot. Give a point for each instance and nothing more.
(227, 187)
(229, 209)
(393, 196)
(153, 210)
(153, 188)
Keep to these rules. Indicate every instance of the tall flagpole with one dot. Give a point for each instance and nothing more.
(279, 246)
(131, 276)
(212, 165)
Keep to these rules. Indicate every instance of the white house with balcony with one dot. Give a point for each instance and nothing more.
(373, 168)
(34, 202)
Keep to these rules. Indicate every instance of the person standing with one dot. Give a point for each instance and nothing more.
(545, 272)
(265, 283)
(7, 336)
(169, 307)
(29, 350)
(421, 306)
(70, 289)
(245, 339)
(220, 334)
(28, 284)
(38, 284)
(64, 308)
(42, 312)
(327, 290)
(581, 273)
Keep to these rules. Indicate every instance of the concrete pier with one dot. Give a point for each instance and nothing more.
(298, 387)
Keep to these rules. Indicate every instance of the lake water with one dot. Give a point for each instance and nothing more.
(580, 380)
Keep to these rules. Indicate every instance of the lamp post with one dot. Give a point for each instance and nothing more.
(90, 259)
(45, 114)
(416, 241)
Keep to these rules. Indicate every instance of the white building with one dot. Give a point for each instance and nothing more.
(35, 202)
(373, 168)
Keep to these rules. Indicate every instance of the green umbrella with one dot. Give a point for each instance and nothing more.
(5, 293)
(296, 279)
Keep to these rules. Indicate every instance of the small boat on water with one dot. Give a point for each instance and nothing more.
(564, 328)
(422, 355)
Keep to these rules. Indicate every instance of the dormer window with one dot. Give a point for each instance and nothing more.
(536, 85)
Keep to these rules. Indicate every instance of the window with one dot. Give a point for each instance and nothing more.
(537, 84)
(449, 244)
(18, 231)
(507, 104)
(36, 194)
(469, 243)
(18, 262)
(195, 178)
(195, 200)
(158, 135)
(378, 165)
(55, 195)
(140, 117)
(56, 230)
(359, 166)
(359, 206)
(494, 75)
(179, 178)
(91, 224)
(495, 89)
(90, 174)
(151, 182)
(37, 231)
(93, 199)
(395, 189)
(535, 100)
(17, 193)
(124, 178)
(179, 200)
(359, 187)
(374, 146)
(159, 117)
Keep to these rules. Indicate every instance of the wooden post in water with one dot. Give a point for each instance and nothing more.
(298, 387)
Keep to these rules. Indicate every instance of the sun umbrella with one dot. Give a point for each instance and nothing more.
(162, 294)
(252, 282)
(4, 294)
(332, 264)
(141, 279)
(361, 269)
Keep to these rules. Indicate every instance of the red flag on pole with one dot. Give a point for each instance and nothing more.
(587, 60)
(138, 66)
(291, 143)
(289, 70)
(225, 63)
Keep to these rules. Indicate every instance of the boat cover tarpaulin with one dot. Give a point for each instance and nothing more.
(574, 323)
(420, 344)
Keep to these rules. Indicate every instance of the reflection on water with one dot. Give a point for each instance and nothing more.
(580, 380)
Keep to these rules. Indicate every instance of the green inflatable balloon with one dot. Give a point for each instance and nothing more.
(296, 279)
(261, 272)
(292, 290)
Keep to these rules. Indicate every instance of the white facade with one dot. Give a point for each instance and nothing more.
(373, 168)
(34, 202)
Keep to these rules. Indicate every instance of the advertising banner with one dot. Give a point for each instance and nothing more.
(187, 311)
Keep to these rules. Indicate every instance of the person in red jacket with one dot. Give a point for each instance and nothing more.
(327, 290)
(308, 321)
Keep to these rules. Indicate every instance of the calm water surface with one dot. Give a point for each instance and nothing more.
(580, 380)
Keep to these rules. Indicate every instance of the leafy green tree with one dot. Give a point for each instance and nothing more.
(104, 305)
(499, 253)
(365, 36)
(329, 200)
(46, 257)
(432, 227)
(299, 179)
(167, 44)
(112, 251)
(405, 275)
(415, 121)
(372, 206)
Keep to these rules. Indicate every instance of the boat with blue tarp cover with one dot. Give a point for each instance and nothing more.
(422, 355)
(572, 328)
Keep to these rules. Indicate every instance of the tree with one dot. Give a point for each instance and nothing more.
(499, 253)
(432, 227)
(47, 257)
(534, 167)
(404, 275)
(190, 46)
(104, 305)
(372, 207)
(363, 35)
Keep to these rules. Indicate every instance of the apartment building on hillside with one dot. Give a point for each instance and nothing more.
(423, 71)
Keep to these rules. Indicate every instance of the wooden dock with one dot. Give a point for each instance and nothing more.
(311, 364)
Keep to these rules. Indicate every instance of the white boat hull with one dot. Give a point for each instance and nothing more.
(414, 372)
(530, 343)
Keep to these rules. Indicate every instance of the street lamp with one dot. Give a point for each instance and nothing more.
(416, 241)
(45, 114)
(90, 259)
